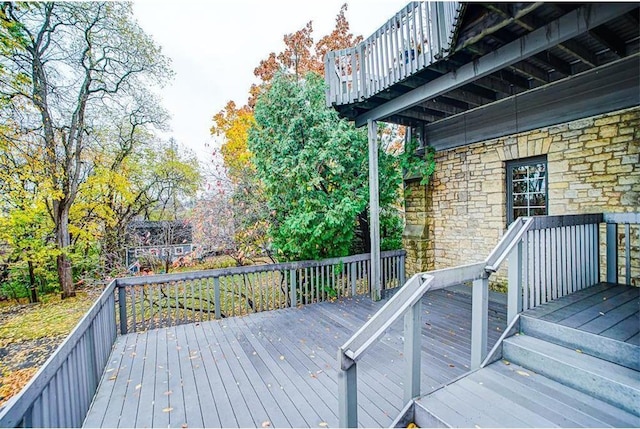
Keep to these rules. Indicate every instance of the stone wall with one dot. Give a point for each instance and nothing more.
(593, 166)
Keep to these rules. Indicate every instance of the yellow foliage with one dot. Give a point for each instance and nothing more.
(234, 124)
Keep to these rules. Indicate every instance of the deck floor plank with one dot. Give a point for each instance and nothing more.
(579, 301)
(225, 358)
(612, 318)
(129, 412)
(229, 372)
(320, 336)
(566, 300)
(161, 385)
(121, 380)
(600, 308)
(298, 365)
(625, 329)
(97, 411)
(205, 397)
(248, 386)
(202, 351)
(146, 406)
(291, 400)
(189, 386)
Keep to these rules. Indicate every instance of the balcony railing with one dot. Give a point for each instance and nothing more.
(416, 37)
(549, 257)
(60, 394)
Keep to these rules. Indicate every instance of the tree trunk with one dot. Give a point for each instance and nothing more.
(64, 264)
(33, 292)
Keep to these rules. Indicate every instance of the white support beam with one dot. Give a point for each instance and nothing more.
(374, 212)
(564, 28)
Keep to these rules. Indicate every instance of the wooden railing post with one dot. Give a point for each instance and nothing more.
(347, 392)
(479, 321)
(216, 297)
(412, 349)
(612, 252)
(401, 273)
(514, 286)
(354, 279)
(294, 288)
(375, 285)
(122, 303)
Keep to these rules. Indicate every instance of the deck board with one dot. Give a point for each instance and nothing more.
(605, 309)
(278, 367)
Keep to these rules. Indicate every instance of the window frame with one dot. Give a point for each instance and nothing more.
(523, 162)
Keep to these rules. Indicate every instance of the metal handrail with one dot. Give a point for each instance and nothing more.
(406, 302)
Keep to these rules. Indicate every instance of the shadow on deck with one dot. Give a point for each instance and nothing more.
(278, 368)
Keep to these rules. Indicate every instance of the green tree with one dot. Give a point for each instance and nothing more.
(315, 170)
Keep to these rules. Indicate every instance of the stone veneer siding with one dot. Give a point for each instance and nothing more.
(593, 166)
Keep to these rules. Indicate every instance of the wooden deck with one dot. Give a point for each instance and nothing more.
(608, 310)
(278, 368)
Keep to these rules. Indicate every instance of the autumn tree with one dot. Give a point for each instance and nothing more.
(79, 59)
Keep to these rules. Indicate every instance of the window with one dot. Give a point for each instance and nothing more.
(526, 187)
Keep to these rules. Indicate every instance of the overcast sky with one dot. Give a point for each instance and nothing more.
(215, 46)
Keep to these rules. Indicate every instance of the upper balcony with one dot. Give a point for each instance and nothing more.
(510, 67)
(416, 37)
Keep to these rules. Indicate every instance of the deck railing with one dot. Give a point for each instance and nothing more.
(416, 37)
(549, 257)
(147, 302)
(60, 393)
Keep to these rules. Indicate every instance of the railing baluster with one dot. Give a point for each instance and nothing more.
(627, 253)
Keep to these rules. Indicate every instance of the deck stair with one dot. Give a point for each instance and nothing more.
(571, 365)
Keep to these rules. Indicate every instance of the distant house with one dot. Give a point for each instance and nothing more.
(532, 108)
(162, 240)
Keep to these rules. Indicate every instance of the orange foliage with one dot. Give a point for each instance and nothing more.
(300, 56)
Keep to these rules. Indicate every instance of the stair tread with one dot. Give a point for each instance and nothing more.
(585, 362)
(598, 345)
(537, 397)
(502, 395)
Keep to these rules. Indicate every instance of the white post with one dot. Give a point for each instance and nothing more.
(374, 211)
(479, 321)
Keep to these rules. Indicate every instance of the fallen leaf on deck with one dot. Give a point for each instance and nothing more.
(281, 357)
(578, 351)
(601, 313)
(524, 374)
(323, 424)
(266, 424)
(412, 425)
(167, 410)
(168, 392)
(184, 426)
(506, 362)
(138, 386)
(452, 365)
(113, 377)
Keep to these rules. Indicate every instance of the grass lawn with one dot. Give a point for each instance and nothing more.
(30, 333)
